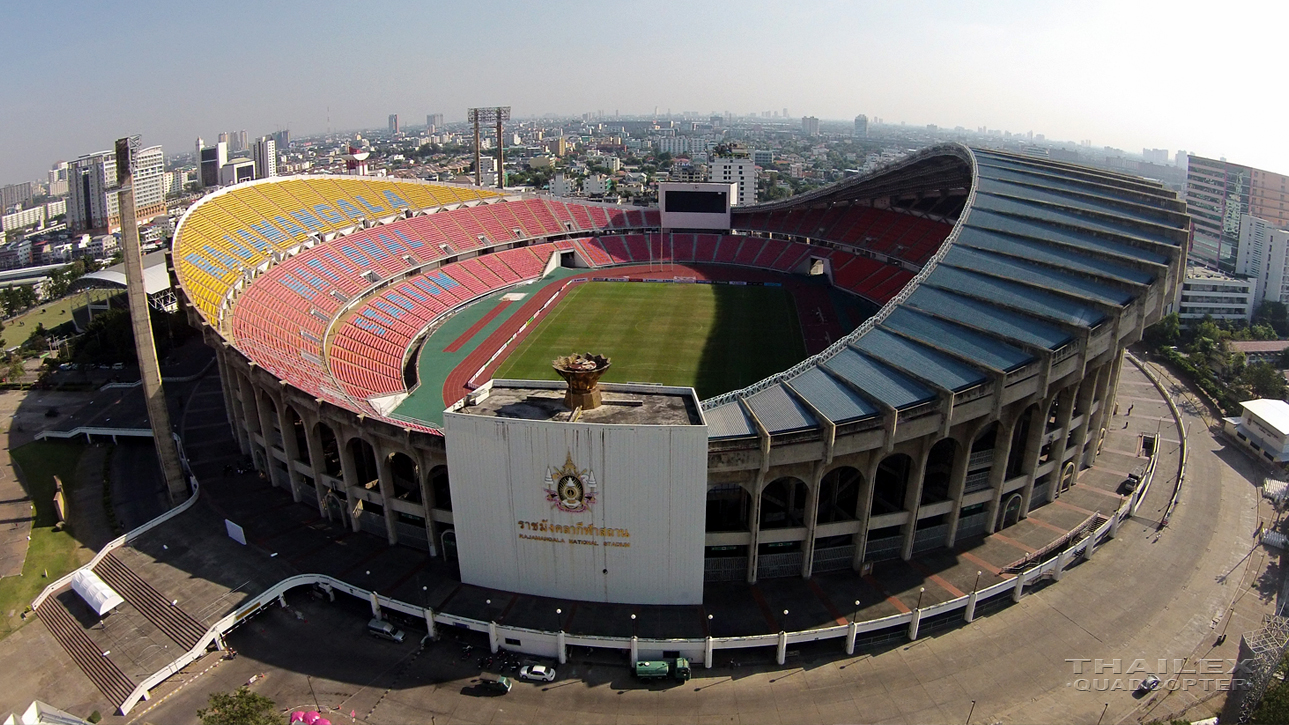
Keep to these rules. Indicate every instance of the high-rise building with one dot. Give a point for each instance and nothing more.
(15, 195)
(393, 123)
(861, 126)
(225, 139)
(92, 203)
(741, 171)
(264, 154)
(1262, 257)
(210, 160)
(810, 125)
(282, 139)
(1218, 194)
(433, 122)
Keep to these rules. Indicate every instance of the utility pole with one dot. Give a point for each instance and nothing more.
(141, 323)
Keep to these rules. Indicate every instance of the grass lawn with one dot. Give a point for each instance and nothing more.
(51, 314)
(715, 338)
(57, 552)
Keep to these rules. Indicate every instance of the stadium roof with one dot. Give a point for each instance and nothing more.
(155, 277)
(1041, 253)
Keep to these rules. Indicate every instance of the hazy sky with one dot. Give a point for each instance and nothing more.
(1205, 77)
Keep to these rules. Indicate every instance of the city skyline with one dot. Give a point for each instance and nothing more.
(1117, 76)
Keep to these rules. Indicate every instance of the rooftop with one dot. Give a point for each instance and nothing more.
(1197, 272)
(624, 404)
(1274, 413)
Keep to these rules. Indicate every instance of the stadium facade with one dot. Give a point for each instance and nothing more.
(1008, 289)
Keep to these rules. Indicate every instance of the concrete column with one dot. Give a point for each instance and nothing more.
(812, 520)
(350, 477)
(250, 415)
(754, 521)
(559, 644)
(957, 483)
(1020, 587)
(998, 471)
(851, 630)
(865, 512)
(707, 653)
(913, 498)
(1062, 561)
(1102, 389)
(1059, 447)
(635, 650)
(225, 386)
(492, 637)
(154, 393)
(427, 498)
(314, 440)
(291, 448)
(969, 613)
(266, 430)
(913, 624)
(1087, 394)
(385, 481)
(1114, 524)
(1034, 449)
(429, 623)
(1112, 388)
(783, 647)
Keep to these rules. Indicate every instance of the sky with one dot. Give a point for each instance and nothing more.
(1197, 76)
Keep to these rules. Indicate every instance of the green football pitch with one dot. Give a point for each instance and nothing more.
(715, 338)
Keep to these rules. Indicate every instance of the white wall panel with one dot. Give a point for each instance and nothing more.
(650, 482)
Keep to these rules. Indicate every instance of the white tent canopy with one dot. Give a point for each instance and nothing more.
(95, 591)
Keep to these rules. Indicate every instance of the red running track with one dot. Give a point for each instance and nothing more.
(466, 336)
(455, 386)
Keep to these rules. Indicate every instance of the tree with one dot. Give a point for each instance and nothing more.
(1165, 332)
(1264, 381)
(1275, 314)
(242, 707)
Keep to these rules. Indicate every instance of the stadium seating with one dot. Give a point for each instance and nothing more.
(896, 234)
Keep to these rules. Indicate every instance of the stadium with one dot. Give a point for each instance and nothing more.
(885, 367)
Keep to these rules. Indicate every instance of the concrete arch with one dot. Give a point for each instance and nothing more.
(405, 475)
(783, 503)
(940, 463)
(891, 482)
(729, 508)
(439, 485)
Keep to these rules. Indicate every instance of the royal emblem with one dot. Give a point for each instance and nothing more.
(569, 489)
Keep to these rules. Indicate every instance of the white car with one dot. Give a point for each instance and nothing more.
(537, 673)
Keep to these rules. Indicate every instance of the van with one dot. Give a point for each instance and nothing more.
(495, 682)
(384, 630)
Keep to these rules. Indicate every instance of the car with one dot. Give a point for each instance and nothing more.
(1150, 684)
(537, 673)
(381, 629)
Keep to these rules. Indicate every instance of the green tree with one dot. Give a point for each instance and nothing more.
(1275, 314)
(242, 707)
(1264, 381)
(1165, 332)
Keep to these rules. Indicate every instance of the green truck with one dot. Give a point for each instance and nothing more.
(677, 669)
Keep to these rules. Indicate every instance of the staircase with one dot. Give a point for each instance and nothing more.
(177, 624)
(105, 675)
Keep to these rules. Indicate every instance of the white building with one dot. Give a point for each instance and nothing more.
(92, 201)
(739, 171)
(1263, 257)
(763, 158)
(596, 185)
(1263, 427)
(236, 171)
(562, 185)
(1208, 292)
(264, 154)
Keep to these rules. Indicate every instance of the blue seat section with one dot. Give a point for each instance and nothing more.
(322, 269)
(410, 241)
(395, 200)
(373, 208)
(387, 308)
(368, 325)
(443, 280)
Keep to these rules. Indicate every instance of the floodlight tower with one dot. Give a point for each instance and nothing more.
(499, 115)
(141, 322)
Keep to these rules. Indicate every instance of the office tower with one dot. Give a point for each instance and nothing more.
(1218, 194)
(92, 205)
(434, 121)
(264, 154)
(739, 170)
(393, 123)
(861, 126)
(211, 160)
(810, 126)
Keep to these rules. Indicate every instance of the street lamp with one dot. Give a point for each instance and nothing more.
(977, 584)
(920, 593)
(854, 613)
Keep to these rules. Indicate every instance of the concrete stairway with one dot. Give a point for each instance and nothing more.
(174, 621)
(105, 675)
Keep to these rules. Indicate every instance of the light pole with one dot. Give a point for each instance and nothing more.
(855, 613)
(920, 593)
(973, 709)
(1107, 707)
